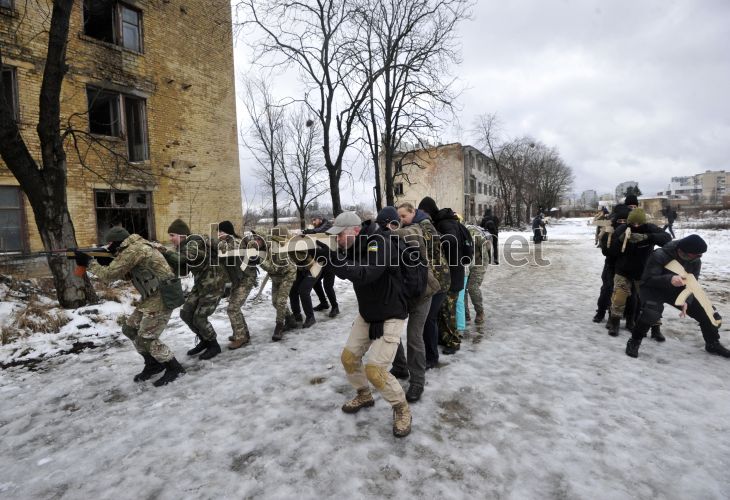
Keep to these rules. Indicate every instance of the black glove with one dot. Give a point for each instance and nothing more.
(376, 330)
(82, 260)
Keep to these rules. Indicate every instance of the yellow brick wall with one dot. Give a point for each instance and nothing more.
(186, 73)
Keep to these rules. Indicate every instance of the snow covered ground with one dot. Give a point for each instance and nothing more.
(541, 403)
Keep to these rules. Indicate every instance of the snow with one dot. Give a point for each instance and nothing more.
(541, 404)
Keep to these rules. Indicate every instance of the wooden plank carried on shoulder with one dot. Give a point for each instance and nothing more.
(692, 287)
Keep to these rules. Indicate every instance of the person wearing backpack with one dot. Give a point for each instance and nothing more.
(365, 256)
(455, 246)
(491, 224)
(196, 255)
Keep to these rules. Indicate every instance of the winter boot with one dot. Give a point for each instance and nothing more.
(297, 317)
(213, 350)
(656, 333)
(401, 420)
(400, 374)
(599, 316)
(238, 343)
(334, 311)
(151, 367)
(364, 399)
(278, 332)
(231, 338)
(613, 324)
(479, 318)
(292, 321)
(451, 349)
(173, 370)
(414, 393)
(323, 306)
(200, 347)
(309, 322)
(717, 348)
(632, 347)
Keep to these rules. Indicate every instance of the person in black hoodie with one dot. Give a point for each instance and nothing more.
(660, 286)
(447, 224)
(491, 224)
(365, 257)
(326, 275)
(538, 229)
(631, 258)
(618, 217)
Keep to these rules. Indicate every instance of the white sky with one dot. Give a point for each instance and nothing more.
(626, 90)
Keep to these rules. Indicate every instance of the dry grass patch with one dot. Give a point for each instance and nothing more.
(35, 317)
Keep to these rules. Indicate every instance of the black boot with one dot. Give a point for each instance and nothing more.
(151, 367)
(309, 322)
(632, 347)
(414, 393)
(200, 347)
(278, 332)
(613, 324)
(297, 317)
(656, 333)
(599, 316)
(323, 306)
(173, 370)
(213, 350)
(400, 374)
(292, 321)
(334, 312)
(717, 348)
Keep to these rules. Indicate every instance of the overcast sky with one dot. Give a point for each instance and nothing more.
(625, 89)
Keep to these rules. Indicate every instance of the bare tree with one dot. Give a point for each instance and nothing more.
(317, 37)
(266, 136)
(304, 177)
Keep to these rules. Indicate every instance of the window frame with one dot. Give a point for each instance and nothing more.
(119, 27)
(398, 189)
(151, 228)
(13, 72)
(10, 7)
(23, 223)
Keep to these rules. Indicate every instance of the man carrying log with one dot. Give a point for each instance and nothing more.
(670, 277)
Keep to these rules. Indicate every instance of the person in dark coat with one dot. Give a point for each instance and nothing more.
(660, 286)
(452, 245)
(324, 287)
(491, 224)
(631, 258)
(671, 216)
(538, 229)
(618, 217)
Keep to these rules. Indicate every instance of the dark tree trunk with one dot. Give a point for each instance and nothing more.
(334, 179)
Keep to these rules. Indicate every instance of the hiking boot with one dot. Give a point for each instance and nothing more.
(656, 333)
(414, 393)
(292, 321)
(632, 347)
(401, 420)
(309, 322)
(323, 306)
(200, 347)
(717, 348)
(213, 350)
(364, 399)
(431, 365)
(599, 316)
(451, 349)
(479, 318)
(151, 367)
(400, 374)
(238, 343)
(297, 317)
(173, 369)
(334, 312)
(231, 338)
(613, 324)
(278, 332)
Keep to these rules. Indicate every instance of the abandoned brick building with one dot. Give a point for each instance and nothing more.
(150, 93)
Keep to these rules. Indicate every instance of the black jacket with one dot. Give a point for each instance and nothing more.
(632, 261)
(656, 276)
(491, 224)
(375, 275)
(447, 223)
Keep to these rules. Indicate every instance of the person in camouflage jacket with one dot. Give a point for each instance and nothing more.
(478, 268)
(196, 255)
(138, 260)
(282, 272)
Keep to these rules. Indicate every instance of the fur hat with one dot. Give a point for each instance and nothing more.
(227, 227)
(179, 227)
(637, 216)
(692, 244)
(117, 233)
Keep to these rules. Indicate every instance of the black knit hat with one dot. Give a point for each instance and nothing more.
(620, 211)
(387, 214)
(692, 244)
(227, 227)
(429, 206)
(631, 200)
(116, 233)
(178, 227)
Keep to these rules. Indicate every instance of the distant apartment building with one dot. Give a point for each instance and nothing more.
(456, 176)
(709, 187)
(621, 189)
(148, 82)
(589, 199)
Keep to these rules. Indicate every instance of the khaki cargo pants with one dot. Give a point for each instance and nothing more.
(381, 353)
(144, 328)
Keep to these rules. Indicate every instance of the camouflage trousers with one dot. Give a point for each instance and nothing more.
(238, 296)
(198, 306)
(144, 328)
(280, 288)
(474, 287)
(448, 333)
(621, 293)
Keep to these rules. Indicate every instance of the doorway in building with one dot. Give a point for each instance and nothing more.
(130, 209)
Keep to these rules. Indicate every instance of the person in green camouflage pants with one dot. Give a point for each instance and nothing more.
(477, 271)
(195, 255)
(242, 282)
(139, 259)
(282, 273)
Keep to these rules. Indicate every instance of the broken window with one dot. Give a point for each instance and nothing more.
(398, 189)
(10, 89)
(105, 118)
(8, 4)
(103, 112)
(129, 209)
(113, 22)
(11, 220)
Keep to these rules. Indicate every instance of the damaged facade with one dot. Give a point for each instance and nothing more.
(150, 97)
(456, 176)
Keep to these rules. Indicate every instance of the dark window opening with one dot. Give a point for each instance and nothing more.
(11, 220)
(10, 90)
(8, 4)
(103, 112)
(398, 189)
(134, 114)
(110, 113)
(131, 210)
(112, 22)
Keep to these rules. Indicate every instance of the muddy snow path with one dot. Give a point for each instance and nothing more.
(540, 404)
